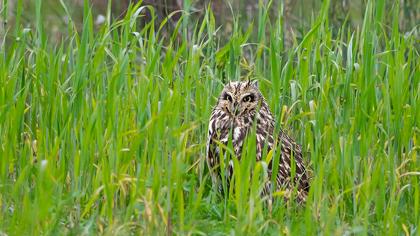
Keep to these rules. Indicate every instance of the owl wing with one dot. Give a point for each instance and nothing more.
(212, 151)
(291, 150)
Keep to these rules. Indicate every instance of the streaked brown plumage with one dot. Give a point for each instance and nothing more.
(240, 105)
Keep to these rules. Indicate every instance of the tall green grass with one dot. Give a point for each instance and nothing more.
(105, 132)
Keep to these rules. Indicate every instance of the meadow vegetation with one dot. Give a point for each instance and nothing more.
(104, 131)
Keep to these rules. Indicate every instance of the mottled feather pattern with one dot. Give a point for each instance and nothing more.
(239, 106)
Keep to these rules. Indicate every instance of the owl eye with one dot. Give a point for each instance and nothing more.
(227, 97)
(248, 98)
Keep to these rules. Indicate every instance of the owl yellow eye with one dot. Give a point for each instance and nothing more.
(248, 98)
(227, 97)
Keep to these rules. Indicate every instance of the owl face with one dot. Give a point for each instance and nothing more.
(240, 98)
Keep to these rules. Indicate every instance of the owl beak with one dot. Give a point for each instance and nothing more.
(235, 108)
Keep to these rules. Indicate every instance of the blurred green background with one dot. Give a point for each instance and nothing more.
(298, 14)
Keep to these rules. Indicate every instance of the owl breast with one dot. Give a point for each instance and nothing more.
(230, 128)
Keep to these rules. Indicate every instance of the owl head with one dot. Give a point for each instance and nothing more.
(240, 98)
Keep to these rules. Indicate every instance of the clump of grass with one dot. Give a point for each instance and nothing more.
(105, 132)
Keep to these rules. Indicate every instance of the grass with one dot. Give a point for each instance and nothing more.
(105, 132)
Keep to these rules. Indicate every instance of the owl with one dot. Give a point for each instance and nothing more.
(240, 107)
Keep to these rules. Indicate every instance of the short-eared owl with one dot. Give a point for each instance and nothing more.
(240, 107)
